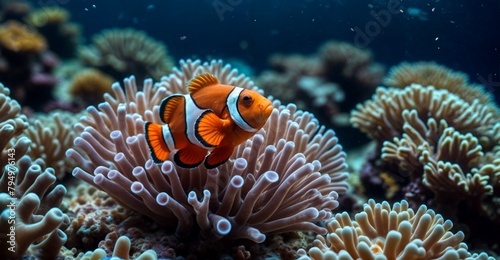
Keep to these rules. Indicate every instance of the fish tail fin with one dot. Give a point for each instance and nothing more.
(156, 142)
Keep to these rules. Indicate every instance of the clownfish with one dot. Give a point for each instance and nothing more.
(212, 119)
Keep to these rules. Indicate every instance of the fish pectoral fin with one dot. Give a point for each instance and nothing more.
(168, 106)
(201, 81)
(156, 143)
(209, 129)
(218, 156)
(190, 157)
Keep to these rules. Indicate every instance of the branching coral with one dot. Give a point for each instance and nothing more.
(283, 179)
(124, 52)
(382, 232)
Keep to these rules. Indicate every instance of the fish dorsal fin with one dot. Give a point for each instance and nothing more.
(201, 81)
(168, 106)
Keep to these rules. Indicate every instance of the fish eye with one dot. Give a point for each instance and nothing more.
(247, 100)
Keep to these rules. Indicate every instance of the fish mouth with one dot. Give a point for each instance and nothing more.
(266, 109)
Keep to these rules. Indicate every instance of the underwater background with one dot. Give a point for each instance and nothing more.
(383, 143)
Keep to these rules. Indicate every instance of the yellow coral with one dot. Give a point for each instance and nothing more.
(90, 86)
(18, 38)
(48, 15)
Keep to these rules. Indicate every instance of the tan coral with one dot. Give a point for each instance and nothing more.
(16, 37)
(121, 251)
(95, 215)
(125, 52)
(441, 77)
(349, 61)
(39, 221)
(384, 232)
(90, 86)
(51, 136)
(12, 124)
(383, 117)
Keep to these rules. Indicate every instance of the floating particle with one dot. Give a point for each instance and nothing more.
(313, 19)
(150, 7)
(437, 38)
(244, 45)
(433, 8)
(183, 38)
(93, 6)
(86, 9)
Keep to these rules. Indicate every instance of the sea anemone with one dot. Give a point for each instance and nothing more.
(283, 179)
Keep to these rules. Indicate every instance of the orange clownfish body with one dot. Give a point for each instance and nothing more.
(212, 117)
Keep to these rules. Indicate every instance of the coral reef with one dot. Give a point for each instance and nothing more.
(440, 77)
(15, 38)
(440, 149)
(12, 124)
(281, 180)
(89, 86)
(339, 69)
(30, 219)
(51, 135)
(53, 23)
(121, 250)
(25, 65)
(384, 232)
(39, 223)
(384, 117)
(125, 52)
(93, 215)
(14, 10)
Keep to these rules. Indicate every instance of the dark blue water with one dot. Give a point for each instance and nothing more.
(462, 35)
